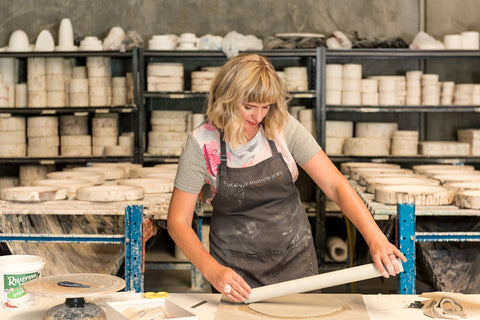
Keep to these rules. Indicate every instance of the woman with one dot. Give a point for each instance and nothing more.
(248, 152)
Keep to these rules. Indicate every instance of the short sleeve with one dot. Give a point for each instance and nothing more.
(192, 169)
(300, 142)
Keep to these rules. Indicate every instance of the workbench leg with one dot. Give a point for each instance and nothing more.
(406, 241)
(134, 248)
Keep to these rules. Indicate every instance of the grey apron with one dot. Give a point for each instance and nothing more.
(259, 227)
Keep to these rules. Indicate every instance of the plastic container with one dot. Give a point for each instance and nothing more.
(15, 271)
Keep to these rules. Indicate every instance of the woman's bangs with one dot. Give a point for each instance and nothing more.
(263, 90)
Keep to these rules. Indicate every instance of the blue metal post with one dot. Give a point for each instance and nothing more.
(134, 248)
(406, 234)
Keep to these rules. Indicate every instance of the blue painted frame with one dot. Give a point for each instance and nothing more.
(133, 240)
(406, 222)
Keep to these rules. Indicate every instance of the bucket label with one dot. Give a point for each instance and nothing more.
(12, 284)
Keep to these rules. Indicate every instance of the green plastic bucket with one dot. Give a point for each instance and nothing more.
(15, 271)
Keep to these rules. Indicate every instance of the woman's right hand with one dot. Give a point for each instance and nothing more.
(230, 284)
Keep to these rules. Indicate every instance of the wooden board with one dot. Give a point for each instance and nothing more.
(354, 309)
(94, 285)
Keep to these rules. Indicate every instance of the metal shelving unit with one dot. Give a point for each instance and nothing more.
(416, 60)
(420, 59)
(132, 60)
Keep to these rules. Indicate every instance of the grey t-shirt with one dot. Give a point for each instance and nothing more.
(192, 172)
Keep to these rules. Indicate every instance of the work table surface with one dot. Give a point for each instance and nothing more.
(379, 307)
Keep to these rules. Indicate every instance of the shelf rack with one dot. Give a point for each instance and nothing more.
(407, 237)
(132, 55)
(132, 239)
(405, 215)
(418, 56)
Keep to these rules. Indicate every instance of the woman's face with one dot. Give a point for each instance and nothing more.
(253, 114)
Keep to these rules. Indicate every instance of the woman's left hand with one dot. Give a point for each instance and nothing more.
(385, 255)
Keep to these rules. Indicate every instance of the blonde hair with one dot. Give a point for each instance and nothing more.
(248, 77)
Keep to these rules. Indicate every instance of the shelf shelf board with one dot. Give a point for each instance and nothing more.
(62, 160)
(147, 158)
(66, 54)
(203, 95)
(175, 95)
(407, 159)
(69, 110)
(367, 109)
(380, 53)
(220, 54)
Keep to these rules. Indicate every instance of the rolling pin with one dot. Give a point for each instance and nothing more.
(319, 281)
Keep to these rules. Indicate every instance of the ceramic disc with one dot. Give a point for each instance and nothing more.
(82, 285)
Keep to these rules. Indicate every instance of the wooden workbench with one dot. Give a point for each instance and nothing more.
(379, 307)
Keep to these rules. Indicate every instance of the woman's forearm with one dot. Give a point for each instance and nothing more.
(188, 242)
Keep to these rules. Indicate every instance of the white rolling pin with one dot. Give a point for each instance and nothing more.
(324, 280)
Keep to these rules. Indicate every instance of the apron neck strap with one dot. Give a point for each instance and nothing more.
(223, 148)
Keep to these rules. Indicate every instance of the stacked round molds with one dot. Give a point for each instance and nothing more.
(119, 91)
(42, 133)
(296, 78)
(12, 137)
(444, 148)
(294, 110)
(104, 133)
(333, 83)
(197, 119)
(99, 74)
(404, 143)
(7, 182)
(476, 95)
(352, 84)
(448, 89)
(28, 174)
(78, 87)
(336, 132)
(371, 139)
(387, 90)
(201, 80)
(472, 137)
(414, 88)
(8, 68)
(401, 89)
(74, 138)
(470, 40)
(165, 77)
(68, 65)
(37, 82)
(55, 82)
(430, 90)
(305, 116)
(126, 142)
(463, 94)
(4, 94)
(21, 95)
(370, 92)
(169, 132)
